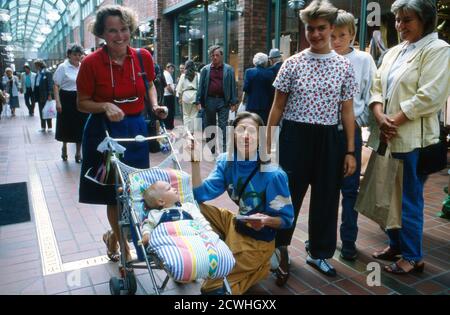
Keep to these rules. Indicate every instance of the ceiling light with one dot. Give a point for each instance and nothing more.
(53, 15)
(144, 28)
(6, 37)
(4, 16)
(46, 30)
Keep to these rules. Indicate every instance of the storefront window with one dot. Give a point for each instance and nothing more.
(191, 33)
(216, 20)
(290, 22)
(215, 23)
(233, 41)
(144, 35)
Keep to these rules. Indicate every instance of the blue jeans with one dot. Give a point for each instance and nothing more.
(408, 239)
(217, 106)
(349, 189)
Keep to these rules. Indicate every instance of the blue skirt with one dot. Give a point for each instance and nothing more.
(14, 102)
(136, 154)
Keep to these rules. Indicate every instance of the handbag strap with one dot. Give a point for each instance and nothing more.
(252, 174)
(421, 131)
(144, 77)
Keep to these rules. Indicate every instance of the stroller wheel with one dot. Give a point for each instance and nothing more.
(130, 279)
(115, 285)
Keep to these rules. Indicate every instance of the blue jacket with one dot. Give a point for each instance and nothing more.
(267, 192)
(258, 86)
(276, 68)
(229, 85)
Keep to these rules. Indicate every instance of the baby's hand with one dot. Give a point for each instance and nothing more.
(145, 239)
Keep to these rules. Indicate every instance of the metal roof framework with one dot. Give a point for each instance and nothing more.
(29, 20)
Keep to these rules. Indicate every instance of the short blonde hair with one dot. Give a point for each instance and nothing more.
(347, 19)
(151, 195)
(319, 9)
(126, 15)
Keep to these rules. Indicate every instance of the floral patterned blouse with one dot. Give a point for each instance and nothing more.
(317, 84)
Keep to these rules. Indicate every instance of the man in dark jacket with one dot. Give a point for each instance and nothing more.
(276, 60)
(217, 92)
(43, 90)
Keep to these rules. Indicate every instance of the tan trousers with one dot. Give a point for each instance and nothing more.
(252, 256)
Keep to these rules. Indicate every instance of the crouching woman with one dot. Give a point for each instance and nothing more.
(262, 193)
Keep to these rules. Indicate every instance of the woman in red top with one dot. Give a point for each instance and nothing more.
(110, 87)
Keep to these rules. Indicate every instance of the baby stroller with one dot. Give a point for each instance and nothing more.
(181, 260)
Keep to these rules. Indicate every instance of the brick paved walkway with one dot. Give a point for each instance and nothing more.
(73, 239)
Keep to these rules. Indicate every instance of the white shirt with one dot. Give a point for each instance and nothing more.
(169, 81)
(66, 76)
(38, 78)
(365, 69)
(407, 52)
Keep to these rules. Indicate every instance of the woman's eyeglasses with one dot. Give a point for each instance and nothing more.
(123, 100)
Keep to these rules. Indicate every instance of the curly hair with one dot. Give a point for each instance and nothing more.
(189, 70)
(126, 15)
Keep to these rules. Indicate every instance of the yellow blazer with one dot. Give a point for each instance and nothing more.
(420, 91)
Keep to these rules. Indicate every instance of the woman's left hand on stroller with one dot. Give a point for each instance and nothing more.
(161, 111)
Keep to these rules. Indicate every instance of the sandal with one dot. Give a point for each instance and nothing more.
(388, 254)
(417, 267)
(282, 277)
(112, 250)
(281, 273)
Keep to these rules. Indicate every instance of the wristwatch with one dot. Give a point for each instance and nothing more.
(350, 153)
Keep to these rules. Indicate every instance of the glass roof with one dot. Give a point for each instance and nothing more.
(28, 17)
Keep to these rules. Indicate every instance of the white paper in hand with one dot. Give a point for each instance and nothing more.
(247, 218)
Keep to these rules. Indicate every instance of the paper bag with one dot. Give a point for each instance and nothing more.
(380, 192)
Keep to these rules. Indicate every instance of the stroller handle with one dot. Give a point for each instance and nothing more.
(139, 138)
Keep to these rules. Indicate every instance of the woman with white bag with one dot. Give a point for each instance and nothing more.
(43, 91)
(11, 86)
(187, 90)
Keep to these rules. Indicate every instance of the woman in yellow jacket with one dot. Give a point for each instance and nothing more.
(410, 88)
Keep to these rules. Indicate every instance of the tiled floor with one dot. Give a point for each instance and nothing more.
(38, 257)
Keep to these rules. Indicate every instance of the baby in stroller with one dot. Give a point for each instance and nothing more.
(173, 229)
(164, 203)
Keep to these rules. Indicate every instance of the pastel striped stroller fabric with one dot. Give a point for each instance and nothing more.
(188, 253)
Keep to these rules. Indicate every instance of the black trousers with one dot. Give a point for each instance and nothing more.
(29, 100)
(311, 156)
(169, 101)
(41, 105)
